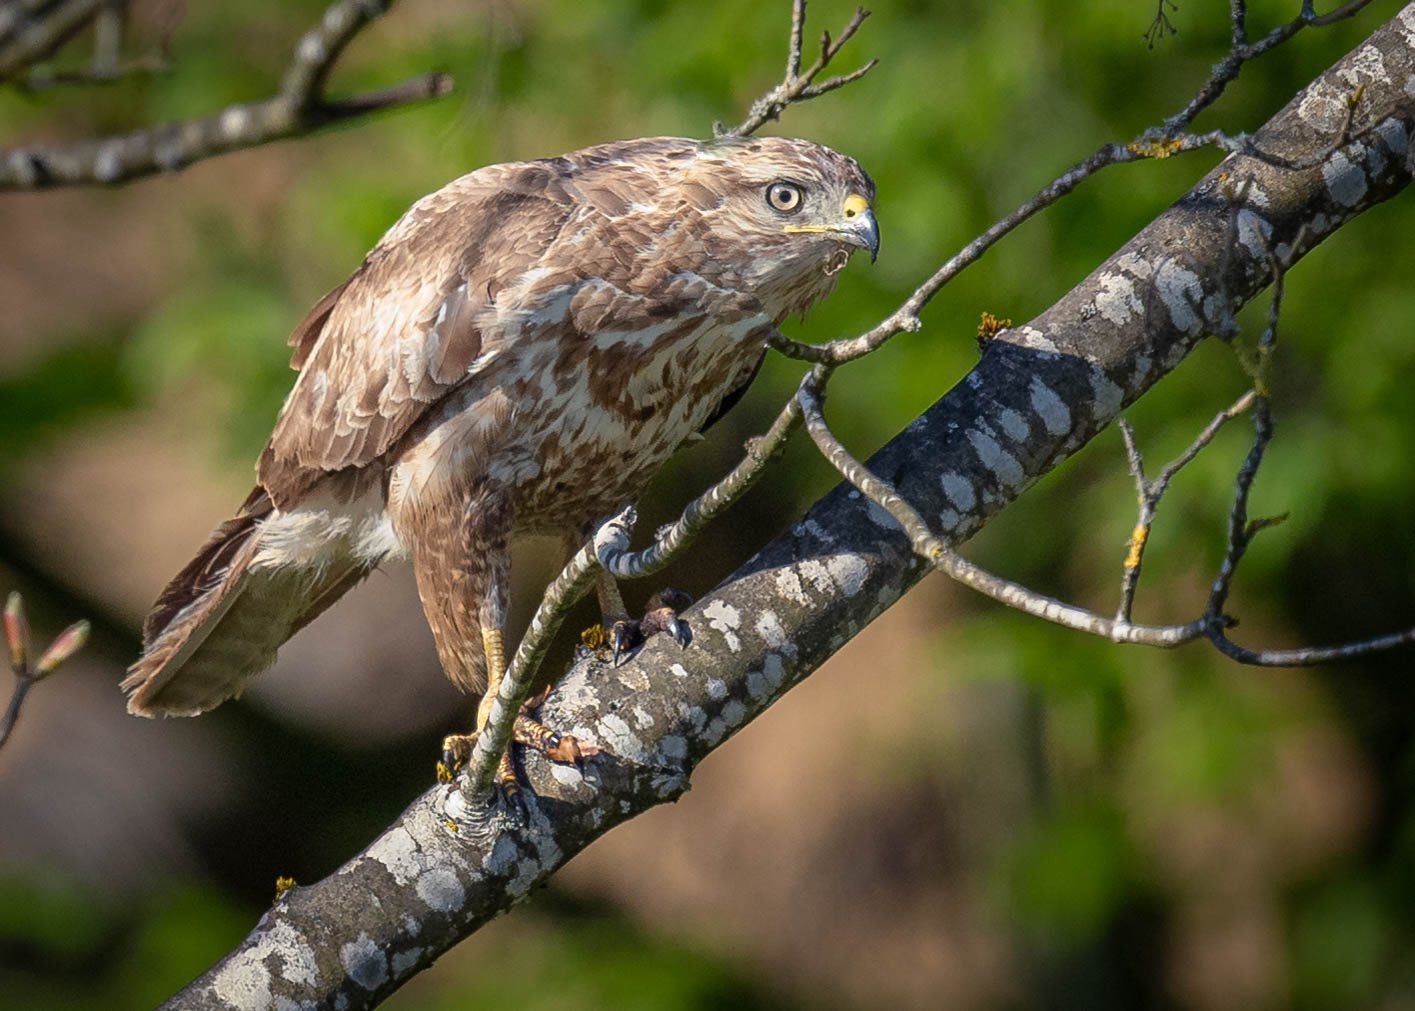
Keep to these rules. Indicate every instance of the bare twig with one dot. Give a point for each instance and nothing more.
(796, 86)
(107, 38)
(1243, 144)
(1149, 493)
(40, 80)
(1161, 26)
(1211, 624)
(1225, 71)
(298, 108)
(1242, 530)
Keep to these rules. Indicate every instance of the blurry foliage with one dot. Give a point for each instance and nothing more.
(586, 956)
(63, 950)
(973, 106)
(61, 389)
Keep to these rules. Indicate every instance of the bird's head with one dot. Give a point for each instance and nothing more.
(784, 187)
(790, 210)
(771, 218)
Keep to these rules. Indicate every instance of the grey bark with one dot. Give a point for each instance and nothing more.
(1038, 394)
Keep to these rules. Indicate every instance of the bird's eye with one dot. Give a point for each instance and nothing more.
(784, 197)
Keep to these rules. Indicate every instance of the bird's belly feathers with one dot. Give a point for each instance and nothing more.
(600, 438)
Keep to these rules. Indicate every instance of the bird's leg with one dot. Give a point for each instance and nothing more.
(494, 649)
(528, 731)
(611, 601)
(457, 748)
(462, 566)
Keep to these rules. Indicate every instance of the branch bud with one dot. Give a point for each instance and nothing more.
(16, 632)
(65, 645)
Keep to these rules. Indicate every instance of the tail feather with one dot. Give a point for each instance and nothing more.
(207, 570)
(221, 619)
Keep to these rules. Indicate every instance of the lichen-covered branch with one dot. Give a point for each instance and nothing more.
(300, 107)
(1039, 393)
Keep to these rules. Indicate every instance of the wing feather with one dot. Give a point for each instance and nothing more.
(402, 332)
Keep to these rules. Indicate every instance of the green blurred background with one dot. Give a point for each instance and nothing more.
(1038, 820)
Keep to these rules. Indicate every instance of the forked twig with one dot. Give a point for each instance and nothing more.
(65, 645)
(797, 86)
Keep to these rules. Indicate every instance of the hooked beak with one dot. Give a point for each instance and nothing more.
(859, 226)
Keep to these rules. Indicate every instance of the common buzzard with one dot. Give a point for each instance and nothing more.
(520, 353)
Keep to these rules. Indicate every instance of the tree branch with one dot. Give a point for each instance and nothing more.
(1039, 393)
(300, 107)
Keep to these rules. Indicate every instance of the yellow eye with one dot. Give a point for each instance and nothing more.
(784, 197)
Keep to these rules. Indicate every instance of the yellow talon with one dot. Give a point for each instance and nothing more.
(283, 885)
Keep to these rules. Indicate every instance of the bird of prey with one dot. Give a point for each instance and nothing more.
(520, 353)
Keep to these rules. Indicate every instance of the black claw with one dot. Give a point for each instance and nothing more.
(679, 631)
(623, 636)
(513, 804)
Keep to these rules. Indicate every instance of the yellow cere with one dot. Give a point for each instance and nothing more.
(855, 204)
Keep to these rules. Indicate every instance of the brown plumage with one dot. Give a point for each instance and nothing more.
(521, 351)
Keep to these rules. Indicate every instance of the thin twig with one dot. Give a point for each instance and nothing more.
(1149, 494)
(1160, 26)
(1211, 624)
(298, 108)
(28, 36)
(40, 80)
(797, 86)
